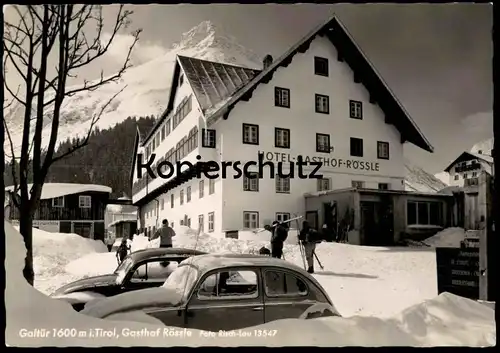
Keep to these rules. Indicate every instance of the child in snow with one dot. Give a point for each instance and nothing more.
(122, 250)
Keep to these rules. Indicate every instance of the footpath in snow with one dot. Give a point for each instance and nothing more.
(351, 273)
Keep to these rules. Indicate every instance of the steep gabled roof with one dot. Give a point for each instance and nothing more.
(363, 72)
(212, 83)
(467, 156)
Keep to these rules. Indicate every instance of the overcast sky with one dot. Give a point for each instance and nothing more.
(436, 58)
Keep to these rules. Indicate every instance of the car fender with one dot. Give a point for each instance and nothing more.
(79, 297)
(318, 308)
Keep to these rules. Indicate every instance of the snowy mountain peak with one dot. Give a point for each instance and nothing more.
(197, 34)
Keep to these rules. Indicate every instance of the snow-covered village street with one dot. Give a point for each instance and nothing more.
(266, 175)
(387, 296)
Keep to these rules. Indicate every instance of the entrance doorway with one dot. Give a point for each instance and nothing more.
(83, 229)
(312, 219)
(377, 223)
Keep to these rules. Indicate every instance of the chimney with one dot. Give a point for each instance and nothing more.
(268, 60)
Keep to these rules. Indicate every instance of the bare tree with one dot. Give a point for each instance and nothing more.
(42, 31)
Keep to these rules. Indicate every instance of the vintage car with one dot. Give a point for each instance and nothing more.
(141, 269)
(222, 292)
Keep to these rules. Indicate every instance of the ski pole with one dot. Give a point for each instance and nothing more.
(301, 247)
(317, 259)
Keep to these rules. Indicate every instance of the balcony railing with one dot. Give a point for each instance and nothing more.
(466, 168)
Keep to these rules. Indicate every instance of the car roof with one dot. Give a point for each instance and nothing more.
(210, 262)
(151, 253)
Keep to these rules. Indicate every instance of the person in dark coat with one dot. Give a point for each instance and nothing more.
(279, 233)
(122, 250)
(165, 233)
(309, 237)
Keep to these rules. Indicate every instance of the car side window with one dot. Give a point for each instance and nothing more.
(229, 285)
(279, 283)
(154, 270)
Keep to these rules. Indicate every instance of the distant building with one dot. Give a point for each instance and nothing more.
(123, 228)
(116, 212)
(466, 169)
(68, 208)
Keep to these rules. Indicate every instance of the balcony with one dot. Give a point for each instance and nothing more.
(466, 168)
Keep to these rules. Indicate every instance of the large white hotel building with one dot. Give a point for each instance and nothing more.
(321, 99)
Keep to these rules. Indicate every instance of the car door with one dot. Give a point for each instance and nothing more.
(226, 299)
(287, 294)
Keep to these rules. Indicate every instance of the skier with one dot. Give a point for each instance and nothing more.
(309, 237)
(279, 233)
(165, 233)
(122, 250)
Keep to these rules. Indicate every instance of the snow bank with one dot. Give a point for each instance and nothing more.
(447, 238)
(450, 320)
(28, 310)
(53, 251)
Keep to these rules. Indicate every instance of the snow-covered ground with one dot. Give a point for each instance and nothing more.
(386, 295)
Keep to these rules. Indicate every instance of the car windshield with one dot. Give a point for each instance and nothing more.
(124, 268)
(182, 279)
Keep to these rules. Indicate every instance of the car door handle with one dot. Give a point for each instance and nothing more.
(258, 308)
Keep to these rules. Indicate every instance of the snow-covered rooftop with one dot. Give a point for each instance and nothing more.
(52, 190)
(118, 221)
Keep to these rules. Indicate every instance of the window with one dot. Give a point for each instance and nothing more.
(201, 188)
(208, 138)
(228, 284)
(282, 185)
(457, 177)
(201, 223)
(181, 80)
(358, 184)
(162, 204)
(250, 220)
(211, 220)
(252, 183)
(250, 134)
(282, 216)
(465, 175)
(282, 97)
(424, 213)
(154, 271)
(188, 222)
(323, 184)
(279, 283)
(383, 186)
(172, 201)
(355, 109)
(474, 174)
(58, 201)
(323, 143)
(356, 147)
(84, 201)
(282, 138)
(163, 133)
(211, 186)
(320, 66)
(181, 196)
(382, 150)
(188, 194)
(322, 104)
